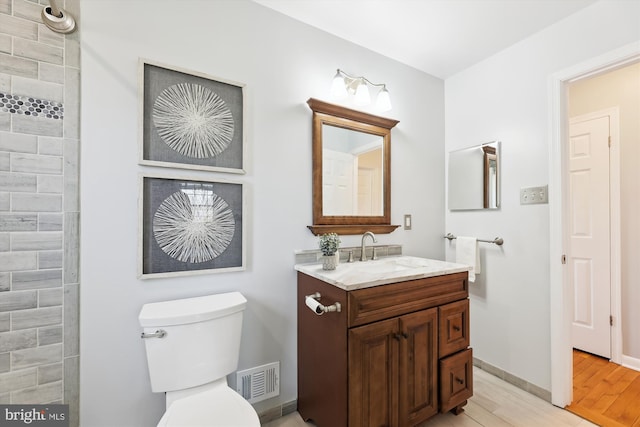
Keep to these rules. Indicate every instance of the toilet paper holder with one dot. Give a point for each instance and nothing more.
(313, 302)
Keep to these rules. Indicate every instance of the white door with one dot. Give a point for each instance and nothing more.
(338, 185)
(589, 230)
(365, 191)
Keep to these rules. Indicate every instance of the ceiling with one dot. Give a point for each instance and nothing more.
(439, 37)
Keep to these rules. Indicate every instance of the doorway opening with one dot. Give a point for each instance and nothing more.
(562, 294)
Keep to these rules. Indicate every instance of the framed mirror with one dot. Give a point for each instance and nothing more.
(474, 174)
(351, 170)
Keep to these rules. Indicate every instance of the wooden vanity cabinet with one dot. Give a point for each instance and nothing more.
(384, 359)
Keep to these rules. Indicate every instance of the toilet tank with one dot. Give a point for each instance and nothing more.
(201, 342)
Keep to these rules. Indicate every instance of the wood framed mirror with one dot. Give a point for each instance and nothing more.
(351, 170)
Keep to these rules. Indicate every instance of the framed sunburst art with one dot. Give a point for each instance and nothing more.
(190, 227)
(190, 120)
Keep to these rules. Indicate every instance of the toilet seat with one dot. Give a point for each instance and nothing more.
(220, 406)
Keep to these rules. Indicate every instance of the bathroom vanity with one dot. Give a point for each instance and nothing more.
(392, 348)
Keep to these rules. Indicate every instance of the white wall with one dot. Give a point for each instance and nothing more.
(506, 98)
(283, 63)
(621, 88)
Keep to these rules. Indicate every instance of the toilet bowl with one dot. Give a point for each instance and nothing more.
(220, 406)
(192, 344)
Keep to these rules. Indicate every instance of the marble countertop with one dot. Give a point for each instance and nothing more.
(359, 275)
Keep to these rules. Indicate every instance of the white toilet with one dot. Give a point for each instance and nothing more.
(192, 345)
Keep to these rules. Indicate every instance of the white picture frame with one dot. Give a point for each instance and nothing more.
(190, 120)
(190, 226)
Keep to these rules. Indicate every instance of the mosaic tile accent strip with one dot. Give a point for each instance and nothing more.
(29, 106)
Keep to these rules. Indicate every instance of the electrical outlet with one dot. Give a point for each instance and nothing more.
(534, 195)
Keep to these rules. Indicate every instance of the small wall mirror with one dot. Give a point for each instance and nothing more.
(351, 170)
(474, 177)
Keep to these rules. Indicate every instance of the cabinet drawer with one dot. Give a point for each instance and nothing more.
(456, 380)
(383, 302)
(453, 333)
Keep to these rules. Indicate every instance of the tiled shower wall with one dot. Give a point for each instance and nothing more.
(39, 207)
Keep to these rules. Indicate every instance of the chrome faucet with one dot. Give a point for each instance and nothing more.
(363, 253)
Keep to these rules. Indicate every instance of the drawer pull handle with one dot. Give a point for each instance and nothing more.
(456, 328)
(459, 380)
(313, 302)
(400, 335)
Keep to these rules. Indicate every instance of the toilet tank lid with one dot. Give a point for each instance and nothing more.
(191, 310)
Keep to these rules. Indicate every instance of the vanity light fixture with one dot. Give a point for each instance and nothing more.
(345, 84)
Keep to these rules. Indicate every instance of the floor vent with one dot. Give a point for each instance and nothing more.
(260, 383)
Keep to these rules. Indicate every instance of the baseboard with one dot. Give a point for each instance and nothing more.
(278, 411)
(630, 362)
(512, 379)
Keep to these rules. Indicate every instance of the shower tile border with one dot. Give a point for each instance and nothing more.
(30, 106)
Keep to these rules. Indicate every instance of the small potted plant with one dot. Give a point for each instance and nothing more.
(329, 244)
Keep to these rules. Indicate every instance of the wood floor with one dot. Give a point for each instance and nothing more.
(495, 403)
(606, 393)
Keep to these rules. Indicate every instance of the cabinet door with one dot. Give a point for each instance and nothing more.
(418, 393)
(373, 374)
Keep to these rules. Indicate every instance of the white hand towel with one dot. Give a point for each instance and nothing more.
(467, 252)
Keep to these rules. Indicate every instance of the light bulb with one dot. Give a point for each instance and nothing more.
(362, 94)
(383, 102)
(338, 88)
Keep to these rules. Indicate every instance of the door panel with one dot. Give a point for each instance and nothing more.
(365, 192)
(418, 367)
(589, 226)
(373, 374)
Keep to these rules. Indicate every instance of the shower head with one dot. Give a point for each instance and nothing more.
(58, 20)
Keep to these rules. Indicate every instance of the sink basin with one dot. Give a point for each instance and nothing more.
(387, 265)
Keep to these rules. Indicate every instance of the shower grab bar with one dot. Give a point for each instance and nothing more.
(498, 240)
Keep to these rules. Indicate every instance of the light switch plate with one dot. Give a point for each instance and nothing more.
(534, 195)
(407, 222)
